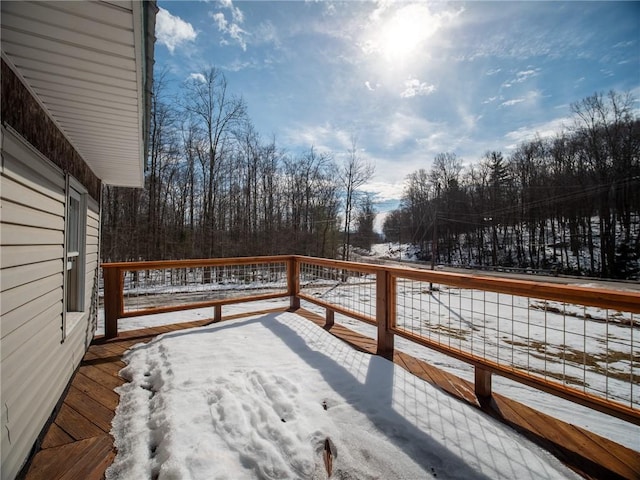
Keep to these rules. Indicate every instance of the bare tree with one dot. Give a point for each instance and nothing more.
(355, 173)
(365, 219)
(219, 113)
(608, 130)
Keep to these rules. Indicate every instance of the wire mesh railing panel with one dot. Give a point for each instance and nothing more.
(158, 287)
(589, 349)
(351, 290)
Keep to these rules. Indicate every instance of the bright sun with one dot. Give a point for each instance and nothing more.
(403, 34)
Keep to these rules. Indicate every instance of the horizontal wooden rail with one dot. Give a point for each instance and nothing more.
(572, 294)
(338, 309)
(205, 262)
(209, 303)
(341, 264)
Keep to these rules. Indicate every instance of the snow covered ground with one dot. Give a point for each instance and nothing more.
(261, 397)
(395, 251)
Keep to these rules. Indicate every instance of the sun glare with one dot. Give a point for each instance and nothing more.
(405, 32)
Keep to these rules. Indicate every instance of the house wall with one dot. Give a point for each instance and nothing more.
(37, 360)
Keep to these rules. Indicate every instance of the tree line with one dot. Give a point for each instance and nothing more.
(216, 188)
(570, 204)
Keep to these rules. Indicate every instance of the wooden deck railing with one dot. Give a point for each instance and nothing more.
(579, 343)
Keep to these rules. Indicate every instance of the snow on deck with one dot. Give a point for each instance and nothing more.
(259, 397)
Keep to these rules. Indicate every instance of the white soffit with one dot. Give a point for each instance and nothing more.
(84, 62)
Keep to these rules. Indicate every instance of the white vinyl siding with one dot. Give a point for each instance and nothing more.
(36, 364)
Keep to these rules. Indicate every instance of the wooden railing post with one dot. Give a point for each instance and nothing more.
(217, 313)
(482, 384)
(113, 300)
(293, 283)
(329, 318)
(385, 313)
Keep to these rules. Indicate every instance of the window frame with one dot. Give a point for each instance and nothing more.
(74, 261)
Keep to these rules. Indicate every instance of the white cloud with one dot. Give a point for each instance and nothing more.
(526, 74)
(231, 28)
(236, 13)
(402, 128)
(323, 137)
(371, 87)
(220, 20)
(512, 102)
(384, 191)
(197, 76)
(529, 98)
(542, 130)
(414, 87)
(238, 65)
(522, 76)
(493, 71)
(329, 10)
(266, 32)
(468, 120)
(626, 44)
(172, 31)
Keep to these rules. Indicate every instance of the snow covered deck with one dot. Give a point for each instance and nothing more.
(78, 443)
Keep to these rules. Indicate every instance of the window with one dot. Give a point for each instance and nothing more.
(75, 232)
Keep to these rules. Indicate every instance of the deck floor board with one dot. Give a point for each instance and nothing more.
(107, 379)
(75, 425)
(96, 391)
(56, 437)
(78, 443)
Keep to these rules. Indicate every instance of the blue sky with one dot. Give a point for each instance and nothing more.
(408, 79)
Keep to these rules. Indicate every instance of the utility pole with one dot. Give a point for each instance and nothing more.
(434, 245)
(434, 241)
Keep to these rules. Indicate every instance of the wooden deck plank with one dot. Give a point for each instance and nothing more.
(363, 343)
(399, 359)
(94, 462)
(111, 367)
(626, 456)
(463, 388)
(437, 377)
(117, 348)
(80, 458)
(102, 354)
(78, 444)
(94, 411)
(109, 380)
(568, 442)
(101, 394)
(516, 414)
(75, 425)
(56, 437)
(552, 435)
